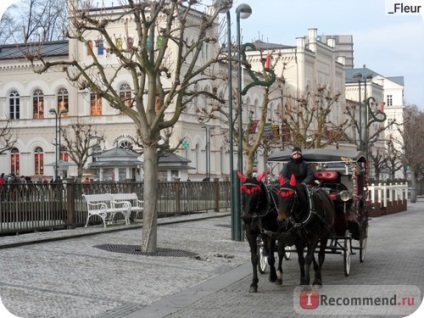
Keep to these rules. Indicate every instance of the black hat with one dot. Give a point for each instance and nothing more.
(297, 149)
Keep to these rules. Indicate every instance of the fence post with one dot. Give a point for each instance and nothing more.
(216, 196)
(385, 195)
(70, 203)
(390, 187)
(177, 194)
(371, 190)
(405, 191)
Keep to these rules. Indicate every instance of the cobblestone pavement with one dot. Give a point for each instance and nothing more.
(209, 276)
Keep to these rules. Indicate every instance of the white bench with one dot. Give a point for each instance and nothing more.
(103, 205)
(137, 205)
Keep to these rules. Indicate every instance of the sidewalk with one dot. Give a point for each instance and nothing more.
(49, 236)
(52, 274)
(68, 274)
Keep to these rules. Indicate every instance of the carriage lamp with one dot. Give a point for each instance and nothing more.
(345, 195)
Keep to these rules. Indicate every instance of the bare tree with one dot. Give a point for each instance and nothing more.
(307, 119)
(7, 138)
(393, 158)
(34, 21)
(413, 144)
(163, 86)
(378, 160)
(80, 139)
(374, 132)
(7, 27)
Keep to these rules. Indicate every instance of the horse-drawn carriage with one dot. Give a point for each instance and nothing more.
(343, 175)
(330, 217)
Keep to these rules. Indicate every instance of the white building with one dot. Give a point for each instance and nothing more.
(388, 93)
(26, 98)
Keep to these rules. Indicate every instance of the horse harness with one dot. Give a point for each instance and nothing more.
(271, 205)
(311, 210)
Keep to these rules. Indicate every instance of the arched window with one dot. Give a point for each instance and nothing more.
(14, 102)
(38, 104)
(62, 101)
(38, 161)
(95, 104)
(125, 94)
(63, 154)
(14, 161)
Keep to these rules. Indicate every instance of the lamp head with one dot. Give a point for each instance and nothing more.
(64, 111)
(357, 76)
(244, 11)
(52, 111)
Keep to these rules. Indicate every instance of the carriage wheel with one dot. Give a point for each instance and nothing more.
(347, 253)
(263, 260)
(287, 252)
(362, 249)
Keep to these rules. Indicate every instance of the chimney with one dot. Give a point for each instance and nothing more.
(312, 39)
(331, 43)
(300, 43)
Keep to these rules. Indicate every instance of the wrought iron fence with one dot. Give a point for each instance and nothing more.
(32, 207)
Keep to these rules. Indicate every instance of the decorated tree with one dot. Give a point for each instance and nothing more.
(308, 120)
(164, 61)
(80, 140)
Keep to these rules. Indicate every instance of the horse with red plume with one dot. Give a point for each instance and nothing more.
(306, 216)
(259, 214)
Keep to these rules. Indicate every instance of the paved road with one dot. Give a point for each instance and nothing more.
(76, 278)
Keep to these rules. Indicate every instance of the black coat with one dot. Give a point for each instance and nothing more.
(301, 170)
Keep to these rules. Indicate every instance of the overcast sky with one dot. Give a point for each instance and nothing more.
(391, 45)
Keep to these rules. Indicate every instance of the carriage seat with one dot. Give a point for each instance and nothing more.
(330, 179)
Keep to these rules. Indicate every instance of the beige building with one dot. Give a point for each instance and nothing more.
(26, 99)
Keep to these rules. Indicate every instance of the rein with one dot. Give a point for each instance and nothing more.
(310, 210)
(271, 203)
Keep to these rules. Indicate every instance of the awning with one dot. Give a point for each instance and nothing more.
(116, 163)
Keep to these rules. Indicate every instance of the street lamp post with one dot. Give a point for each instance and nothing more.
(363, 111)
(243, 11)
(208, 150)
(369, 116)
(58, 134)
(234, 222)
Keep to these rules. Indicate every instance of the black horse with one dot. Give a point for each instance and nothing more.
(259, 214)
(306, 216)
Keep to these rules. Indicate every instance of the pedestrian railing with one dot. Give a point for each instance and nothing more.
(35, 207)
(384, 193)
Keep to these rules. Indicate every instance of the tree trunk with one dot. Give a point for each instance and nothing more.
(80, 170)
(149, 236)
(413, 187)
(249, 163)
